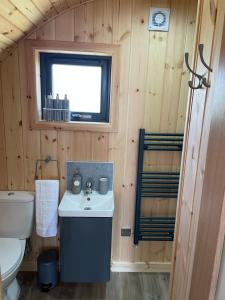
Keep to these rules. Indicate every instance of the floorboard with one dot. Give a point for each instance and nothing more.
(122, 286)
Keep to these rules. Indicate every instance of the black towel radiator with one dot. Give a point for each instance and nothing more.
(155, 185)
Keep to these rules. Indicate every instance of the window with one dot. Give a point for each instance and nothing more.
(85, 79)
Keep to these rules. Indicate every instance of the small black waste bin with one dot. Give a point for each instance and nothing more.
(47, 270)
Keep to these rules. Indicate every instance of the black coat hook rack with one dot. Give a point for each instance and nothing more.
(202, 81)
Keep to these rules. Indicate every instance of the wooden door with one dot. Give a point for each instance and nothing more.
(186, 280)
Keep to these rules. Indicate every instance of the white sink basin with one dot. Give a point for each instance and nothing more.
(82, 205)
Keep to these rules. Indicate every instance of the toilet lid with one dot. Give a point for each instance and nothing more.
(11, 251)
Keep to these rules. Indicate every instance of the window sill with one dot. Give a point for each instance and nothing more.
(74, 126)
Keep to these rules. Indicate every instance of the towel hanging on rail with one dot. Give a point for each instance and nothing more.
(47, 196)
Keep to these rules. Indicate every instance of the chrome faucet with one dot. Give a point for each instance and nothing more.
(88, 189)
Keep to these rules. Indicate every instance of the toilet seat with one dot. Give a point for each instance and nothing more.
(11, 255)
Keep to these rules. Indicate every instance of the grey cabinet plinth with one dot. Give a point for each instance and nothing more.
(85, 249)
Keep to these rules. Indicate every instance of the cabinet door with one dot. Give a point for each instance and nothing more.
(193, 162)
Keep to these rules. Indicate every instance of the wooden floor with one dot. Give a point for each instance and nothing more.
(122, 286)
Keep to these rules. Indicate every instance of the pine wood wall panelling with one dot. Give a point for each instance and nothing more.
(31, 139)
(13, 122)
(84, 23)
(173, 66)
(66, 152)
(6, 41)
(100, 146)
(190, 37)
(31, 146)
(156, 68)
(189, 41)
(9, 30)
(122, 27)
(22, 17)
(64, 26)
(125, 23)
(14, 16)
(135, 117)
(29, 9)
(173, 75)
(46, 32)
(3, 162)
(45, 7)
(153, 106)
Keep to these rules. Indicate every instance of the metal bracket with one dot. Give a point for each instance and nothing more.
(46, 161)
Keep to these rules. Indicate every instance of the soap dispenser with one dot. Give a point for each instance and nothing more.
(77, 182)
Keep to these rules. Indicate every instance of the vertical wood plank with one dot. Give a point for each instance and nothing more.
(64, 26)
(31, 139)
(135, 117)
(84, 23)
(122, 26)
(13, 122)
(3, 161)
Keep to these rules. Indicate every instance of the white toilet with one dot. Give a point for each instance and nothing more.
(16, 218)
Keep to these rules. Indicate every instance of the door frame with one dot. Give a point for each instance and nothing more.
(203, 274)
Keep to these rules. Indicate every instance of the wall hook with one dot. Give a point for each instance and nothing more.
(201, 50)
(186, 56)
(202, 80)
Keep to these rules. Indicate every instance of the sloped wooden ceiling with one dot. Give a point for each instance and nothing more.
(19, 17)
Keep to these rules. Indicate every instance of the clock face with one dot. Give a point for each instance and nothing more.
(159, 19)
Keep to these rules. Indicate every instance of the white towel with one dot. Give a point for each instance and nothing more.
(47, 196)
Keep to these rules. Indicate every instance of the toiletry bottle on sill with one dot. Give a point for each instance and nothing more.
(77, 183)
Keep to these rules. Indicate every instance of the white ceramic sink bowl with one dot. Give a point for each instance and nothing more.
(82, 205)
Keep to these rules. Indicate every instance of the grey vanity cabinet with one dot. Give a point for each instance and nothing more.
(85, 249)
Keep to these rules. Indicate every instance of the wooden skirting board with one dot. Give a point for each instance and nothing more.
(119, 266)
(147, 267)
